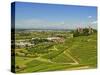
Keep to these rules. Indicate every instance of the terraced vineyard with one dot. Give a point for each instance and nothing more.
(74, 53)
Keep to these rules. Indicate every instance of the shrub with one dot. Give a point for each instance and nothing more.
(75, 33)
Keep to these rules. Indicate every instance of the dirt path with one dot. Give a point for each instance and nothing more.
(78, 68)
(44, 60)
(54, 48)
(68, 53)
(47, 60)
(70, 56)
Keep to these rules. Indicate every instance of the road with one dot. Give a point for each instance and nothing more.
(66, 52)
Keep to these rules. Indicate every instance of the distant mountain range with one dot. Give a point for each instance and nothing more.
(43, 29)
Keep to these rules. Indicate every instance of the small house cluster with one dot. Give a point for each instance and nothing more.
(24, 43)
(56, 39)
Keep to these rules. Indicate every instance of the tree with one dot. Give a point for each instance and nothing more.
(86, 31)
(75, 33)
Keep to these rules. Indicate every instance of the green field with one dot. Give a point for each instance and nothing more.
(73, 53)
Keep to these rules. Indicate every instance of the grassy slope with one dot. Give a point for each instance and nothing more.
(85, 49)
(82, 48)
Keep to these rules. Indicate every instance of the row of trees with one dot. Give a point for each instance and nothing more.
(39, 40)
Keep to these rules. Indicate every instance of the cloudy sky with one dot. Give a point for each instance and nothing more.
(50, 16)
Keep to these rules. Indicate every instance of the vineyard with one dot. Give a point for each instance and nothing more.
(74, 53)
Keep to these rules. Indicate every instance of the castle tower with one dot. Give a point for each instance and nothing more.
(90, 30)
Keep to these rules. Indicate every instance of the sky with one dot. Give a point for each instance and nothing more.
(54, 16)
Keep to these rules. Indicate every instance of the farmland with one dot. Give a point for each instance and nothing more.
(63, 53)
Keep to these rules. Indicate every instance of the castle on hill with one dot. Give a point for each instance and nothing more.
(82, 30)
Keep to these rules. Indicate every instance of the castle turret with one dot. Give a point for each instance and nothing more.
(90, 30)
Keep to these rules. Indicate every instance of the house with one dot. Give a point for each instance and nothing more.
(56, 39)
(23, 43)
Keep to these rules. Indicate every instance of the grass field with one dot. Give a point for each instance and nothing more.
(74, 53)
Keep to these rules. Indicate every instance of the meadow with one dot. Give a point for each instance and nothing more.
(64, 53)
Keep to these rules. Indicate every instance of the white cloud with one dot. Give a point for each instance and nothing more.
(45, 24)
(37, 23)
(89, 16)
(94, 22)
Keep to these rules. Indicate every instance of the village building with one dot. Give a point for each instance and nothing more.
(90, 30)
(81, 30)
(56, 39)
(23, 43)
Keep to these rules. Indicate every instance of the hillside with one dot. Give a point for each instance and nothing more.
(74, 53)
